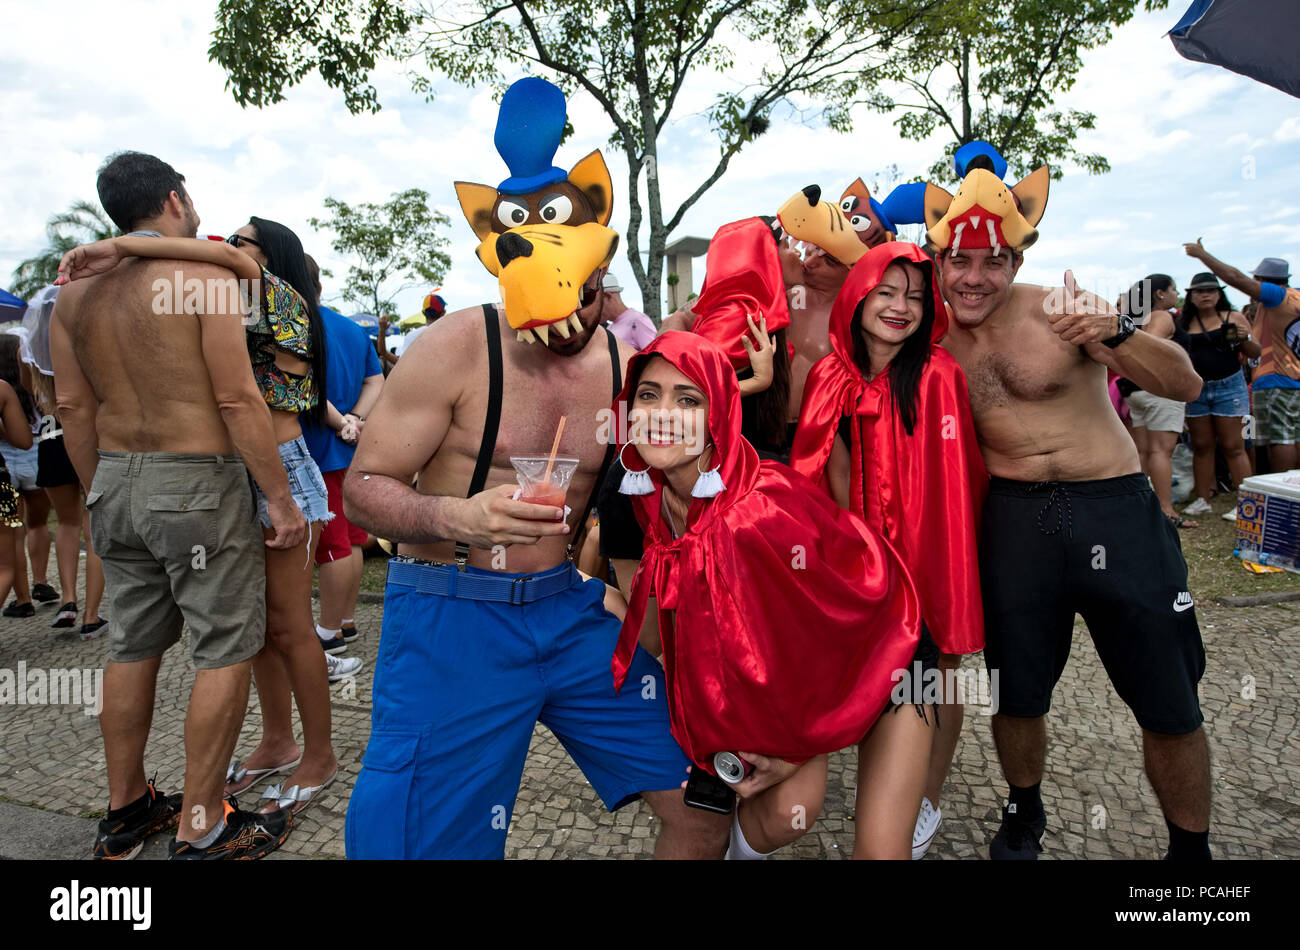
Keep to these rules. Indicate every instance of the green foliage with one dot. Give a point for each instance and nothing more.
(83, 223)
(266, 46)
(990, 69)
(398, 239)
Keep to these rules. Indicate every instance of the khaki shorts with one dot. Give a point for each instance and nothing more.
(180, 543)
(1155, 413)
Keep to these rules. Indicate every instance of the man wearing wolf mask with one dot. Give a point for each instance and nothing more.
(488, 626)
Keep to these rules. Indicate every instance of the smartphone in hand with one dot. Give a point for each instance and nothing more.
(708, 792)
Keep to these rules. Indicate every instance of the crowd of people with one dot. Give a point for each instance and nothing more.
(847, 465)
(38, 476)
(1243, 422)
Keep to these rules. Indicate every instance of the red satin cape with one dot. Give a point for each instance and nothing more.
(789, 614)
(923, 491)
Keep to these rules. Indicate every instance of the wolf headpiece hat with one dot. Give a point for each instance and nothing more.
(542, 232)
(985, 212)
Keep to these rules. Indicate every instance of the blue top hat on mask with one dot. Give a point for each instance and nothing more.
(529, 128)
(961, 159)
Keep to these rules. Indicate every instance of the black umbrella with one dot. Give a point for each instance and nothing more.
(1257, 38)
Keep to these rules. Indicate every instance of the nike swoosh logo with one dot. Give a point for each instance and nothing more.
(1179, 608)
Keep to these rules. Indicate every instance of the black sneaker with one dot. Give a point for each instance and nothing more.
(91, 630)
(67, 615)
(19, 610)
(333, 646)
(350, 634)
(44, 593)
(248, 836)
(121, 840)
(1018, 839)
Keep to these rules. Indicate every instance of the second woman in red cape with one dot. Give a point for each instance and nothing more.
(886, 427)
(783, 617)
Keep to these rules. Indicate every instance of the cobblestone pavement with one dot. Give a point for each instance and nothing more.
(1099, 803)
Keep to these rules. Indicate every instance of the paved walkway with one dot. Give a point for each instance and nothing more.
(1099, 803)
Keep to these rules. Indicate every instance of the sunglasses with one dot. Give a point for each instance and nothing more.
(235, 240)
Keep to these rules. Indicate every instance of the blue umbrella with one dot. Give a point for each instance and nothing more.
(1257, 38)
(367, 321)
(11, 307)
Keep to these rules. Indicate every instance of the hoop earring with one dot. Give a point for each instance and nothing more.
(709, 484)
(634, 482)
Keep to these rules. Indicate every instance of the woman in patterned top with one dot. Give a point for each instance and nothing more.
(286, 345)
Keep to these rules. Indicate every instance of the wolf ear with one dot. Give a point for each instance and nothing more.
(858, 190)
(591, 177)
(477, 201)
(937, 203)
(1032, 194)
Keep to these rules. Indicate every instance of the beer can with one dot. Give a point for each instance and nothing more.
(731, 768)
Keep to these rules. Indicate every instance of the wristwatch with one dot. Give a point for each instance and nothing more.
(1126, 329)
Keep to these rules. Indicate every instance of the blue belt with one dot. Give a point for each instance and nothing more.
(444, 579)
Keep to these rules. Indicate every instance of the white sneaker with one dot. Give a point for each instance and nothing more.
(341, 667)
(927, 825)
(1198, 507)
(1230, 515)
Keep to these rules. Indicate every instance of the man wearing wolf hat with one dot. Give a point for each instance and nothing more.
(1070, 524)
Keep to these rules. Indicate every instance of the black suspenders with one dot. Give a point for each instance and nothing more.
(492, 421)
(609, 449)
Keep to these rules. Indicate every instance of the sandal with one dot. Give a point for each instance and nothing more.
(1180, 522)
(238, 775)
(295, 798)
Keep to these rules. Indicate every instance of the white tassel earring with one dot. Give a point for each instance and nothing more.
(709, 483)
(634, 482)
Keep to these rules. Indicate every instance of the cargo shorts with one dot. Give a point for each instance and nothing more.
(180, 541)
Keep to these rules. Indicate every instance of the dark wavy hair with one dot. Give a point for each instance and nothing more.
(910, 361)
(286, 259)
(11, 371)
(134, 187)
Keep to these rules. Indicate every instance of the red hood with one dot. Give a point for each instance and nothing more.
(771, 587)
(742, 278)
(706, 365)
(922, 489)
(863, 278)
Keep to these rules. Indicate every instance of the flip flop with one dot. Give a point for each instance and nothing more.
(295, 798)
(238, 775)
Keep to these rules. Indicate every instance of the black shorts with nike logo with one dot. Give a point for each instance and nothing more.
(1105, 550)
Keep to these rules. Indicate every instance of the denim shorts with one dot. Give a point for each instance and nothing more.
(305, 482)
(21, 464)
(1221, 397)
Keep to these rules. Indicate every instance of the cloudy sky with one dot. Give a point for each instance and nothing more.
(1195, 150)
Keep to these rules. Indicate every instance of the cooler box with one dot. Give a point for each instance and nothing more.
(1268, 520)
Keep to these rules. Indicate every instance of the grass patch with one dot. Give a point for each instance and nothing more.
(374, 572)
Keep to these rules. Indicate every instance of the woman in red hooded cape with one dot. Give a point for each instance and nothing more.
(886, 428)
(783, 617)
